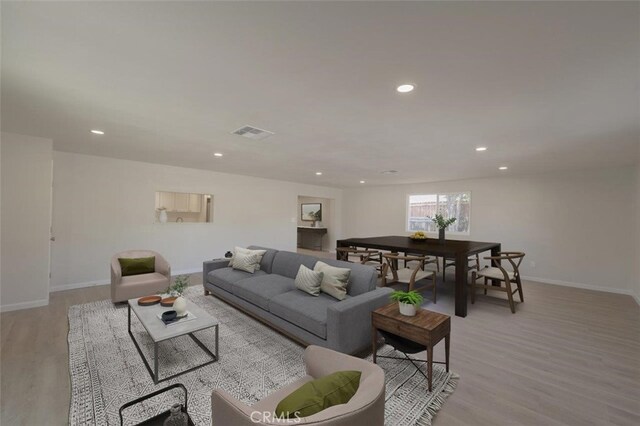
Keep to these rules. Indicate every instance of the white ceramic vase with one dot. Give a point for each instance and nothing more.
(406, 309)
(163, 216)
(180, 306)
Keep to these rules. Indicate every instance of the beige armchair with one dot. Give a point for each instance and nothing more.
(125, 288)
(366, 407)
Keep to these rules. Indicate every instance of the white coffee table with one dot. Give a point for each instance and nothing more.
(158, 331)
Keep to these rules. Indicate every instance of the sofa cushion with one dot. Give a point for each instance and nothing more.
(334, 281)
(319, 394)
(248, 261)
(225, 278)
(287, 263)
(363, 278)
(309, 281)
(143, 279)
(302, 309)
(137, 266)
(267, 258)
(260, 290)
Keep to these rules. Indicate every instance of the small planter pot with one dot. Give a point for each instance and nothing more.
(407, 309)
(441, 235)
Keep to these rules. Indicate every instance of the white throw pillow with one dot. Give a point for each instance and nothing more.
(308, 280)
(260, 253)
(247, 262)
(334, 281)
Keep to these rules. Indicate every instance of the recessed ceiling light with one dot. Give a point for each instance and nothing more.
(481, 148)
(361, 181)
(217, 154)
(97, 132)
(502, 168)
(405, 88)
(319, 173)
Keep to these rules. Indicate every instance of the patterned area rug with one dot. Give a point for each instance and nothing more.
(106, 369)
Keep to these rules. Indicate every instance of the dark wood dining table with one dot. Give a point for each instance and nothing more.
(450, 249)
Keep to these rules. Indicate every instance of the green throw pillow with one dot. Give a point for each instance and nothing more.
(137, 266)
(316, 395)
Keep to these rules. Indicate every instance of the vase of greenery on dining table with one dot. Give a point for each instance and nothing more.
(442, 224)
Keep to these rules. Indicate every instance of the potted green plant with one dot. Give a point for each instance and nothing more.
(178, 288)
(408, 301)
(442, 224)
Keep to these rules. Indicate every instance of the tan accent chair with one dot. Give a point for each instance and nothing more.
(125, 288)
(366, 407)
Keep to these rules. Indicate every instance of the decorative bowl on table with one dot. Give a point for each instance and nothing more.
(167, 302)
(169, 315)
(149, 300)
(418, 236)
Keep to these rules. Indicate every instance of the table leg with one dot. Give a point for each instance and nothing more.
(374, 338)
(429, 364)
(129, 318)
(156, 378)
(494, 252)
(447, 341)
(217, 339)
(462, 270)
(338, 255)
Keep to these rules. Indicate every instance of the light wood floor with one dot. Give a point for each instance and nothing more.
(568, 356)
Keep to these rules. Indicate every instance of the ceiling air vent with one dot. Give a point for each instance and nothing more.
(252, 133)
(389, 172)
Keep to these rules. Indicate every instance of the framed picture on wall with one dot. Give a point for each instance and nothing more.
(311, 212)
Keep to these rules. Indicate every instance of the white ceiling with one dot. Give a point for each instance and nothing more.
(546, 86)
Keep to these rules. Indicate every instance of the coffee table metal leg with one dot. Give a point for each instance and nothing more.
(217, 342)
(155, 363)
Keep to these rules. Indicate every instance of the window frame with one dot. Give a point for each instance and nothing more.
(437, 194)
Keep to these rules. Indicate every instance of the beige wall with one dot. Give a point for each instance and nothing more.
(577, 228)
(25, 220)
(103, 205)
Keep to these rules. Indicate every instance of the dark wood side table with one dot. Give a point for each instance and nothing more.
(425, 328)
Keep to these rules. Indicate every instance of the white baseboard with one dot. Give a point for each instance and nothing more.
(580, 285)
(24, 305)
(64, 287)
(186, 271)
(74, 286)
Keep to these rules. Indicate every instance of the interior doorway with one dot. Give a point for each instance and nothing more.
(316, 219)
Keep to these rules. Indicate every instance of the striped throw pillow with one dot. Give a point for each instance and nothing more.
(246, 262)
(309, 281)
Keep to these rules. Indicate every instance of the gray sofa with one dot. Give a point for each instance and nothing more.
(270, 295)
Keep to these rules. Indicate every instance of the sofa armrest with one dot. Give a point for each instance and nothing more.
(116, 271)
(320, 362)
(212, 265)
(226, 410)
(349, 322)
(163, 267)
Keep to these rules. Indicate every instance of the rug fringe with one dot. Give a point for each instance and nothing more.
(439, 400)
